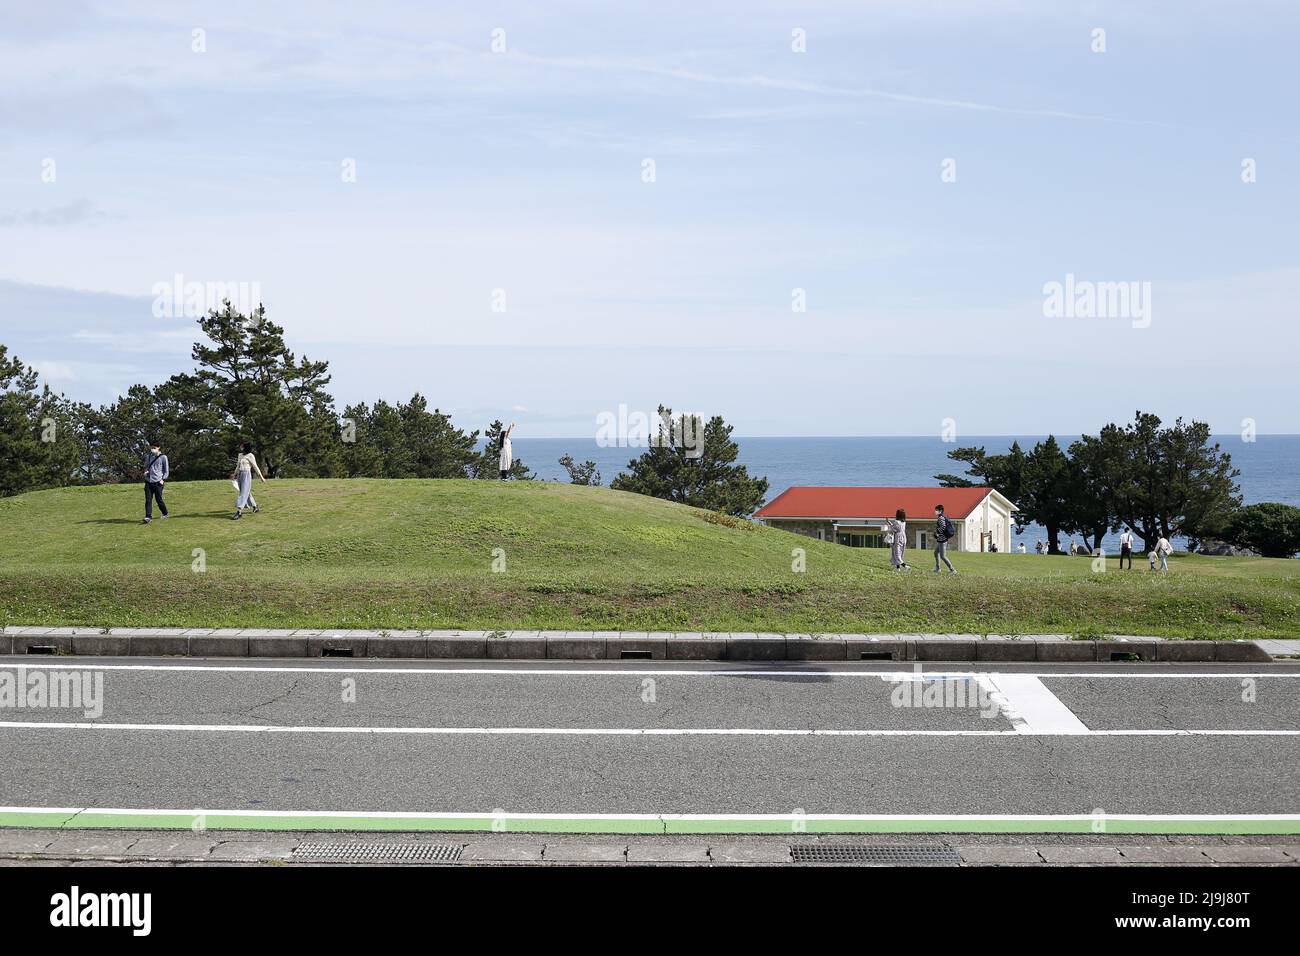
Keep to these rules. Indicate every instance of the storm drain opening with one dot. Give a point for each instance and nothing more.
(1124, 656)
(377, 853)
(336, 652)
(41, 648)
(880, 855)
(876, 656)
(635, 655)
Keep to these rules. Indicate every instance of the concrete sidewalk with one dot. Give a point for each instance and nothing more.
(1281, 648)
(622, 645)
(170, 848)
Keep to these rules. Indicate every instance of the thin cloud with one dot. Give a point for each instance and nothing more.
(759, 81)
(72, 214)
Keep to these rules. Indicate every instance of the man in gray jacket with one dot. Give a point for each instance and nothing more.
(156, 471)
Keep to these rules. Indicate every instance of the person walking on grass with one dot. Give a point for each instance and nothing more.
(245, 465)
(156, 472)
(507, 459)
(1126, 548)
(944, 531)
(896, 535)
(1163, 550)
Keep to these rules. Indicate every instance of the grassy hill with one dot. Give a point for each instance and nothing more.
(394, 554)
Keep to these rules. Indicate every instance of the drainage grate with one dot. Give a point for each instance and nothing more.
(377, 853)
(883, 855)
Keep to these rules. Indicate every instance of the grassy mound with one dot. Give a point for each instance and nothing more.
(482, 554)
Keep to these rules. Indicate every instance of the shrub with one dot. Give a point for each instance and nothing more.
(1270, 528)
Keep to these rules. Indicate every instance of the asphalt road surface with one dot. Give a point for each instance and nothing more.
(605, 741)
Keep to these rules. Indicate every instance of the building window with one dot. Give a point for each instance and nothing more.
(862, 539)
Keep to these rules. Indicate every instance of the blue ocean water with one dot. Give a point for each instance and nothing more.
(1269, 465)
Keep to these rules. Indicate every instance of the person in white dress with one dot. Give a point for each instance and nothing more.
(507, 458)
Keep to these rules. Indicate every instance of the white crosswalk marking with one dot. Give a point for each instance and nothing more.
(1031, 707)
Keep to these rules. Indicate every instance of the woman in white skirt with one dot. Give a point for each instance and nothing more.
(507, 459)
(896, 528)
(245, 465)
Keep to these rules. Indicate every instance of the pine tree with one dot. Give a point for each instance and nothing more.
(1045, 496)
(37, 432)
(437, 447)
(265, 394)
(580, 474)
(672, 469)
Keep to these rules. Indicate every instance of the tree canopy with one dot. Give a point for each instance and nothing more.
(1158, 480)
(701, 473)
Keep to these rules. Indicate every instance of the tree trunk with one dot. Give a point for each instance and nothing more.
(1149, 534)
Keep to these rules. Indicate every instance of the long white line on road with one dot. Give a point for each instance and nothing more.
(500, 820)
(620, 731)
(38, 664)
(510, 815)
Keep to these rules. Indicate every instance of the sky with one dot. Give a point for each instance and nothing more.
(810, 218)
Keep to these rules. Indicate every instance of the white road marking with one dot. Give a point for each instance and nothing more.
(1031, 707)
(507, 731)
(37, 663)
(622, 731)
(506, 815)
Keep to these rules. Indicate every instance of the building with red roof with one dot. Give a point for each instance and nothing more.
(856, 516)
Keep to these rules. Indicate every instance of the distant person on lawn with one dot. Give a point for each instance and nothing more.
(507, 459)
(245, 465)
(896, 528)
(156, 472)
(1163, 550)
(1126, 548)
(944, 530)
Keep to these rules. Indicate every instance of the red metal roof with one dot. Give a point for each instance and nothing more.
(806, 502)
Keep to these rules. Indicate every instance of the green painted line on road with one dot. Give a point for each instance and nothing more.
(199, 821)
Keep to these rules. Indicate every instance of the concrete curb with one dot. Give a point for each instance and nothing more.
(175, 847)
(613, 645)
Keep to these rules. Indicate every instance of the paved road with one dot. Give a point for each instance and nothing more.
(649, 738)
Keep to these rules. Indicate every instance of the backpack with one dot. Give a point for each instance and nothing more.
(944, 528)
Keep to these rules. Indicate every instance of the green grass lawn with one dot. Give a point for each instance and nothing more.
(405, 554)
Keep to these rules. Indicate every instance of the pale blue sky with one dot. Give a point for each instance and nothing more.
(775, 170)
